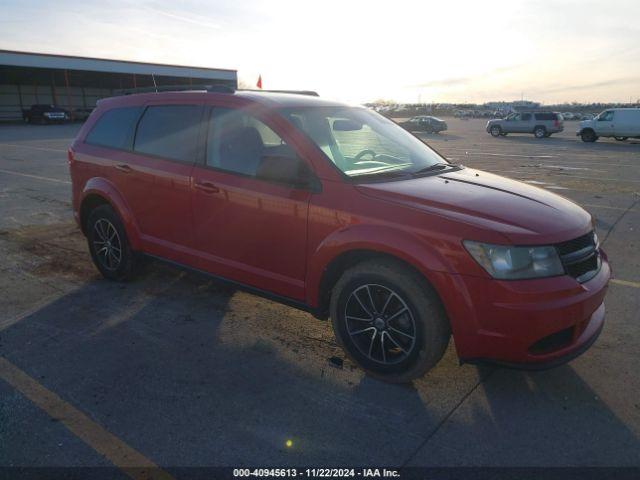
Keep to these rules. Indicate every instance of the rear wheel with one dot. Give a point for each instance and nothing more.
(540, 132)
(109, 245)
(495, 131)
(588, 136)
(389, 320)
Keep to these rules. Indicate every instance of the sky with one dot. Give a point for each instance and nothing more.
(356, 51)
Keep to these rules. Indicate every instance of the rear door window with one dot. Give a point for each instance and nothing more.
(546, 116)
(114, 129)
(169, 131)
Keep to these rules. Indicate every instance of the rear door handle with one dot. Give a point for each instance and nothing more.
(206, 187)
(123, 167)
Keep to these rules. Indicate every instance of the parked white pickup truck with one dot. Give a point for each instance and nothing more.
(619, 123)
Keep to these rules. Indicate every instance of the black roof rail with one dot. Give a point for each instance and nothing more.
(214, 88)
(296, 92)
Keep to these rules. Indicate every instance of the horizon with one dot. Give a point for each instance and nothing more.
(412, 53)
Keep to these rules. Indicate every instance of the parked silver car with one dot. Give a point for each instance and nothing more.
(541, 124)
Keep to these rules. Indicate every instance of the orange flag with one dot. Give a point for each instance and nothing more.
(259, 84)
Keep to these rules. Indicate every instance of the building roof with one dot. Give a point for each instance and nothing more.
(45, 60)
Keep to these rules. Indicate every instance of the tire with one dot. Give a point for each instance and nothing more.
(621, 139)
(495, 131)
(106, 231)
(588, 136)
(539, 132)
(410, 331)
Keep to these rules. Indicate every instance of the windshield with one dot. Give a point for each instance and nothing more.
(363, 143)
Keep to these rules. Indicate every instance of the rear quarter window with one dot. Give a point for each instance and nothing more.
(114, 129)
(169, 131)
(547, 116)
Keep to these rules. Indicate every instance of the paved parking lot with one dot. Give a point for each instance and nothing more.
(174, 370)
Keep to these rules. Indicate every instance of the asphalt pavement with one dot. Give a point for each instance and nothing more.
(175, 370)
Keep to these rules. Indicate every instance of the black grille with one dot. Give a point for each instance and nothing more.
(576, 244)
(552, 342)
(580, 257)
(579, 269)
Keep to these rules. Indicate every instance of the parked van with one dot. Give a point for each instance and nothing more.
(619, 123)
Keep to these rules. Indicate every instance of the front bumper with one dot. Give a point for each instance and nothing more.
(531, 323)
(588, 337)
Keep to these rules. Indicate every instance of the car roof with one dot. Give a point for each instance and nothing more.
(267, 99)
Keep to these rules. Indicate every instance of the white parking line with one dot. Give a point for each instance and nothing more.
(46, 149)
(625, 283)
(508, 155)
(37, 177)
(607, 207)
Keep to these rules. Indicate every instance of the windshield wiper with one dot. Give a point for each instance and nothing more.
(381, 174)
(432, 168)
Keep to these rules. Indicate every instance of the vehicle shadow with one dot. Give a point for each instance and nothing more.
(190, 373)
(518, 418)
(442, 136)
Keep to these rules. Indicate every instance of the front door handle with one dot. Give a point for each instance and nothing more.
(123, 167)
(206, 187)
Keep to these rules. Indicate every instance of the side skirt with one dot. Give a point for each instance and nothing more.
(244, 287)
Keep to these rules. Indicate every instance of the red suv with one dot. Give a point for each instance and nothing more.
(338, 211)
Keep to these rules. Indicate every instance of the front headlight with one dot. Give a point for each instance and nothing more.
(512, 263)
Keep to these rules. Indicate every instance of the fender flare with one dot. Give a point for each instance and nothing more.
(107, 190)
(373, 238)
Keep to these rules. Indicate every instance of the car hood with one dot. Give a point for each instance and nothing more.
(521, 213)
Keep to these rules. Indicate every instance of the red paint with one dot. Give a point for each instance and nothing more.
(281, 240)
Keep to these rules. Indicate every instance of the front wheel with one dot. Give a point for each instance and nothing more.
(540, 132)
(109, 245)
(389, 320)
(495, 131)
(588, 136)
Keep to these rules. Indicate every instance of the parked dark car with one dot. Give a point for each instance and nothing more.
(45, 114)
(424, 123)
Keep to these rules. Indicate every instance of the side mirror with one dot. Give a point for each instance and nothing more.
(291, 171)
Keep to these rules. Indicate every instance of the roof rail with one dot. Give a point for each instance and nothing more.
(214, 88)
(296, 92)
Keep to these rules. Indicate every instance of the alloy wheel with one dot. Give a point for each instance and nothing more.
(380, 324)
(107, 244)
